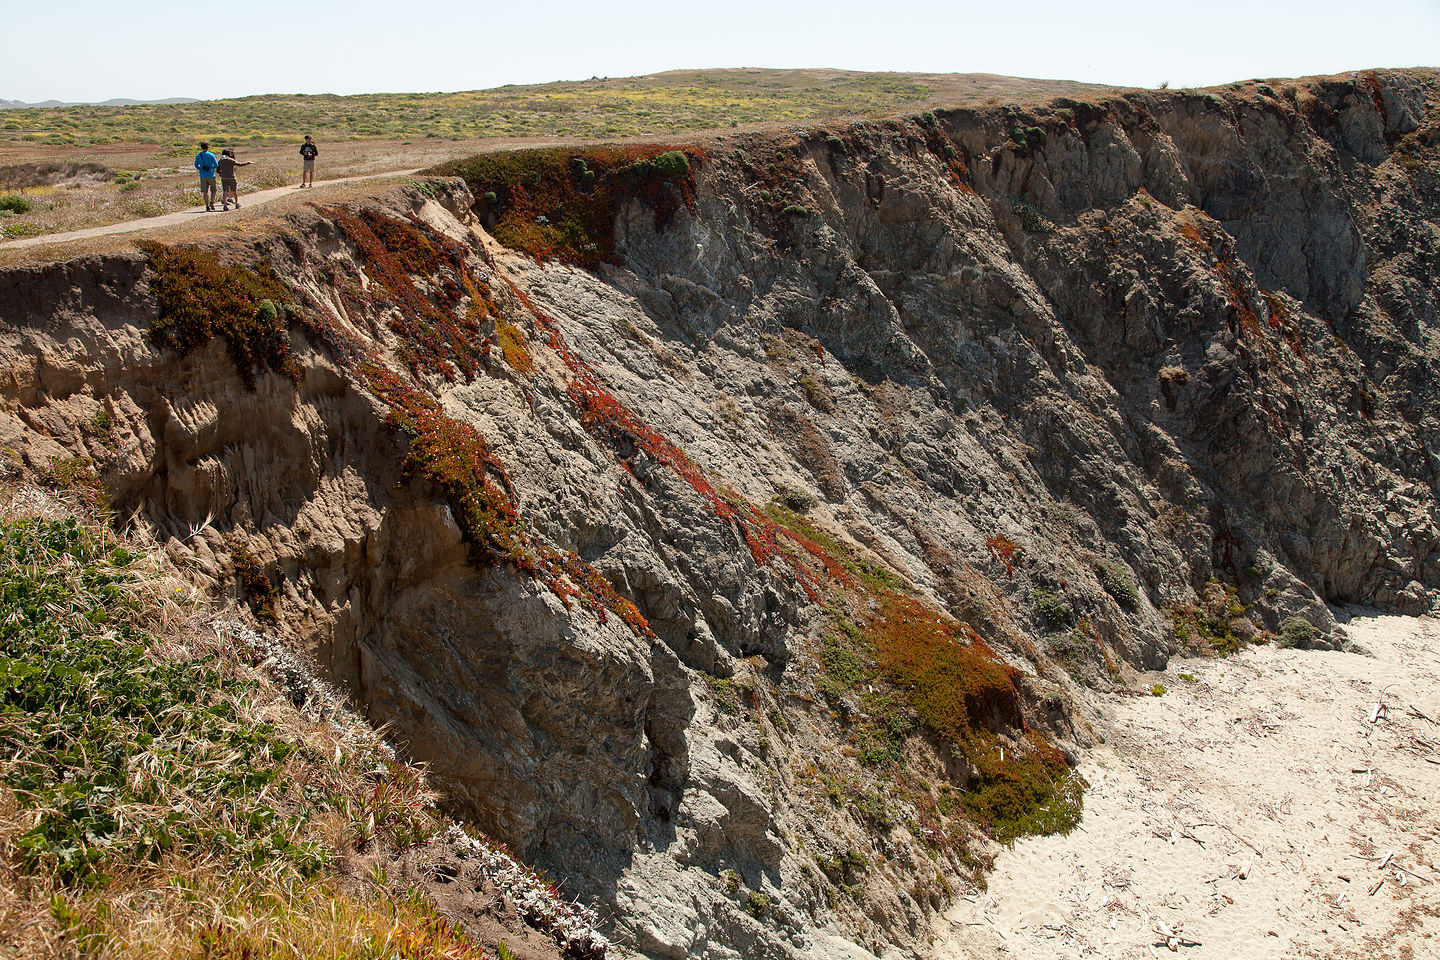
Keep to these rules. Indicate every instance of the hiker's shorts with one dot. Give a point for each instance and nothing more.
(227, 184)
(207, 183)
(309, 166)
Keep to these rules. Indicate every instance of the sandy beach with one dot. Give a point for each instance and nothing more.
(1281, 804)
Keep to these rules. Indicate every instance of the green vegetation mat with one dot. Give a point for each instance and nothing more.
(592, 108)
(122, 756)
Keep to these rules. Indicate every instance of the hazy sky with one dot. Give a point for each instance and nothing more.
(93, 50)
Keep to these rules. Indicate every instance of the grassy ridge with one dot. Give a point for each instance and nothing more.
(162, 796)
(634, 106)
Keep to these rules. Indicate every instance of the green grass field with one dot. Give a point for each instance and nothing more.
(70, 168)
(597, 108)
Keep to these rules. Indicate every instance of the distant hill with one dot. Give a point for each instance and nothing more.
(116, 102)
(601, 107)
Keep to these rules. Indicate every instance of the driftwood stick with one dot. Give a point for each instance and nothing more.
(1258, 851)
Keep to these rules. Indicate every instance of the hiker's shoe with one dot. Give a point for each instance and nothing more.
(237, 204)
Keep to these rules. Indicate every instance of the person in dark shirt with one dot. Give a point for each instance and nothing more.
(309, 151)
(206, 163)
(228, 188)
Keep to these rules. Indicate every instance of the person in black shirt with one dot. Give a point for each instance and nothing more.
(309, 151)
(228, 187)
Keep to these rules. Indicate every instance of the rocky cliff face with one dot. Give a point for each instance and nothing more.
(750, 578)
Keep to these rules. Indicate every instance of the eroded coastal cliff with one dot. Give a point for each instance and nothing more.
(736, 528)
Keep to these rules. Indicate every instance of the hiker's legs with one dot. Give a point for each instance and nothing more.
(307, 178)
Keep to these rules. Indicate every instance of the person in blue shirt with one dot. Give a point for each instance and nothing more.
(206, 163)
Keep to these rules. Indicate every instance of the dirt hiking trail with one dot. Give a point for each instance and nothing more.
(188, 216)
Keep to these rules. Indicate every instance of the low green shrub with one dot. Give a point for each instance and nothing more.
(1297, 632)
(142, 209)
(672, 163)
(16, 203)
(1052, 605)
(1031, 219)
(1115, 578)
(1027, 139)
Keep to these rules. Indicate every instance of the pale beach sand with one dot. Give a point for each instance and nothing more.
(1249, 812)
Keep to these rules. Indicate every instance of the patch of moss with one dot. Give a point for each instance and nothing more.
(1052, 605)
(436, 335)
(201, 298)
(843, 663)
(730, 695)
(260, 593)
(1194, 624)
(1032, 794)
(888, 724)
(557, 204)
(512, 347)
(1116, 580)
